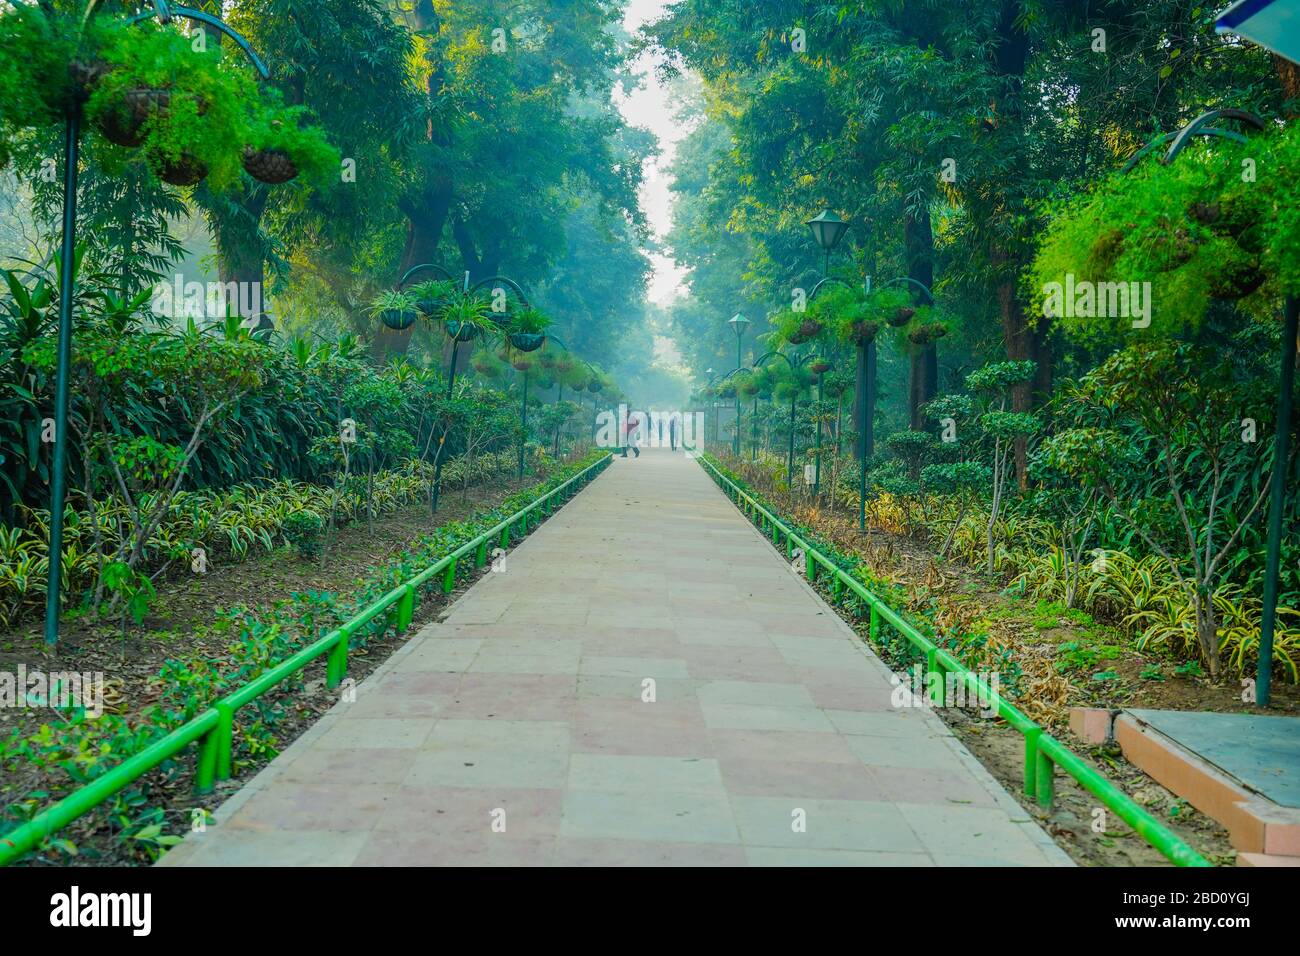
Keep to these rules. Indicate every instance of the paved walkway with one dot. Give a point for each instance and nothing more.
(645, 682)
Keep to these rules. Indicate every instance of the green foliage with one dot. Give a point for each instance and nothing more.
(1215, 223)
(289, 131)
(529, 321)
(131, 588)
(998, 378)
(206, 121)
(304, 530)
(395, 300)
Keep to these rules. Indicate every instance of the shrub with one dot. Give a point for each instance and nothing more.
(303, 530)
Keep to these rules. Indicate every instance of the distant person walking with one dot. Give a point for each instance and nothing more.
(632, 428)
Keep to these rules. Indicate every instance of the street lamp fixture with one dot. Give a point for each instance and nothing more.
(828, 229)
(739, 323)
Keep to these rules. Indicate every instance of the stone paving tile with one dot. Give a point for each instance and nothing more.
(487, 768)
(667, 816)
(659, 668)
(753, 717)
(516, 730)
(461, 813)
(800, 856)
(224, 847)
(827, 824)
(382, 732)
(614, 773)
(580, 851)
(407, 849)
(797, 780)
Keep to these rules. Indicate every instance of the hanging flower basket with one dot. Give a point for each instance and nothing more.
(461, 331)
(270, 166)
(522, 364)
(1236, 280)
(397, 319)
(902, 316)
(184, 170)
(820, 368)
(807, 329)
(927, 333)
(527, 341)
(864, 331)
(594, 386)
(125, 125)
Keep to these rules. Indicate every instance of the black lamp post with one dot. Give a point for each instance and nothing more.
(165, 13)
(463, 333)
(795, 365)
(738, 322)
(828, 229)
(713, 403)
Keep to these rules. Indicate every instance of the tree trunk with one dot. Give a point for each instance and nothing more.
(918, 241)
(1289, 74)
(1207, 632)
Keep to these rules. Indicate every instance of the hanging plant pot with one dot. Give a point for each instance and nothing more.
(902, 316)
(397, 319)
(1223, 218)
(125, 124)
(927, 333)
(527, 341)
(522, 364)
(1236, 281)
(593, 386)
(462, 331)
(820, 368)
(501, 320)
(270, 166)
(864, 332)
(184, 170)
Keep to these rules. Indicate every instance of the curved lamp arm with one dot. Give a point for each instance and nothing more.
(821, 283)
(908, 279)
(1197, 127)
(506, 280)
(425, 266)
(164, 13)
(781, 355)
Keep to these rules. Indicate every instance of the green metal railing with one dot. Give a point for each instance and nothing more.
(1043, 752)
(213, 729)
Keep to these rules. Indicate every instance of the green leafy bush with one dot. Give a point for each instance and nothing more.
(303, 530)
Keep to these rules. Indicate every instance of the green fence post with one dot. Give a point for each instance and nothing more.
(933, 679)
(225, 739)
(837, 588)
(1045, 783)
(405, 609)
(875, 625)
(505, 535)
(337, 664)
(206, 771)
(1031, 760)
(480, 555)
(810, 566)
(449, 577)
